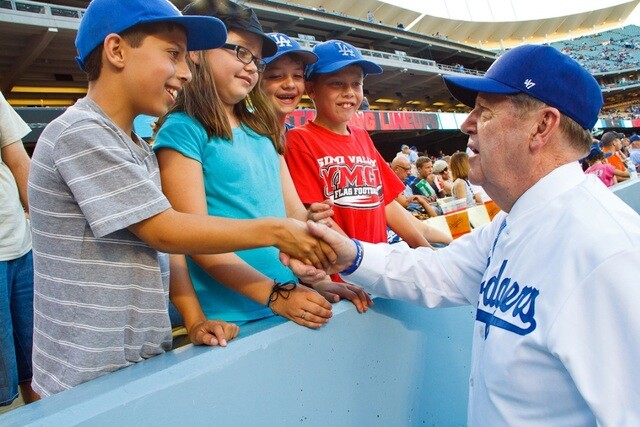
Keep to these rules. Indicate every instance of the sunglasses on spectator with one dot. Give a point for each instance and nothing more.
(245, 56)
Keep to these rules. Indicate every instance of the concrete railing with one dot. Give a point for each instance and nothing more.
(629, 191)
(397, 364)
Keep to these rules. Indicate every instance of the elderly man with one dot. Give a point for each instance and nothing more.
(556, 338)
(414, 203)
(611, 145)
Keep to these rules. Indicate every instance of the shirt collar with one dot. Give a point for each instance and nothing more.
(551, 185)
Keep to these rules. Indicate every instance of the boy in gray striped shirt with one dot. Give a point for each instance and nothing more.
(101, 225)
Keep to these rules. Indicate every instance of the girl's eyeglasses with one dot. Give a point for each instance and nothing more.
(245, 56)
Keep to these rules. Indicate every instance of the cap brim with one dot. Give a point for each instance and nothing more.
(269, 47)
(307, 56)
(466, 88)
(367, 66)
(203, 32)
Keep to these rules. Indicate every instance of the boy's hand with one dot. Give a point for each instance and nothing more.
(321, 212)
(295, 241)
(334, 292)
(213, 332)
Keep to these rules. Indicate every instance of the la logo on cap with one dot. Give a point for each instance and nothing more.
(281, 40)
(529, 84)
(345, 50)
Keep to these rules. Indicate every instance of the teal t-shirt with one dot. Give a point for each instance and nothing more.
(241, 180)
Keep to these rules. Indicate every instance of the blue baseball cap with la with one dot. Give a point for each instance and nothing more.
(287, 45)
(541, 72)
(334, 55)
(104, 17)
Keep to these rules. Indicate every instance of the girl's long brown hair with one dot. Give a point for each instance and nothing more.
(199, 99)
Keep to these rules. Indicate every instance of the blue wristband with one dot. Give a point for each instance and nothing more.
(356, 262)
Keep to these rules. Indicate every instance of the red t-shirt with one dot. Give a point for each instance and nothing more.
(347, 169)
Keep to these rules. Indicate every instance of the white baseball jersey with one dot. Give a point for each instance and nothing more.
(556, 285)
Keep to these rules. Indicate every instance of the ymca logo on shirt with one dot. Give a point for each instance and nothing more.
(351, 181)
(507, 304)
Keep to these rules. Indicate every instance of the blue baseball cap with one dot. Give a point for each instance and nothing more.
(334, 55)
(541, 72)
(287, 45)
(234, 16)
(104, 17)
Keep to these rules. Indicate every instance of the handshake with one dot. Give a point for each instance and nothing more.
(338, 254)
(320, 248)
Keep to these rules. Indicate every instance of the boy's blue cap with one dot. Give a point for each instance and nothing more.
(334, 55)
(104, 17)
(541, 72)
(287, 45)
(234, 16)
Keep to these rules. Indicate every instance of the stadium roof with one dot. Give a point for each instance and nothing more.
(491, 24)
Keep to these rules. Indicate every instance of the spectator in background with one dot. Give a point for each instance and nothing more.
(598, 167)
(413, 203)
(424, 184)
(16, 261)
(461, 188)
(611, 144)
(634, 152)
(370, 17)
(413, 154)
(442, 180)
(404, 151)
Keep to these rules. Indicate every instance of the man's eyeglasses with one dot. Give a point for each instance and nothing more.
(245, 56)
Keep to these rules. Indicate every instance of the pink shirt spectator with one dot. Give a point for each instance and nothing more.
(602, 171)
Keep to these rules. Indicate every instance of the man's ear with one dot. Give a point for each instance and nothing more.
(114, 48)
(546, 124)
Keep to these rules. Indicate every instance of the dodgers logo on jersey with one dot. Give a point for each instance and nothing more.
(281, 41)
(345, 50)
(507, 304)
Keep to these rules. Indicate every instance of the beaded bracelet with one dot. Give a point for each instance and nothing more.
(356, 262)
(280, 290)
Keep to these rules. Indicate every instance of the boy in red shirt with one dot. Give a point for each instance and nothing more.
(328, 159)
